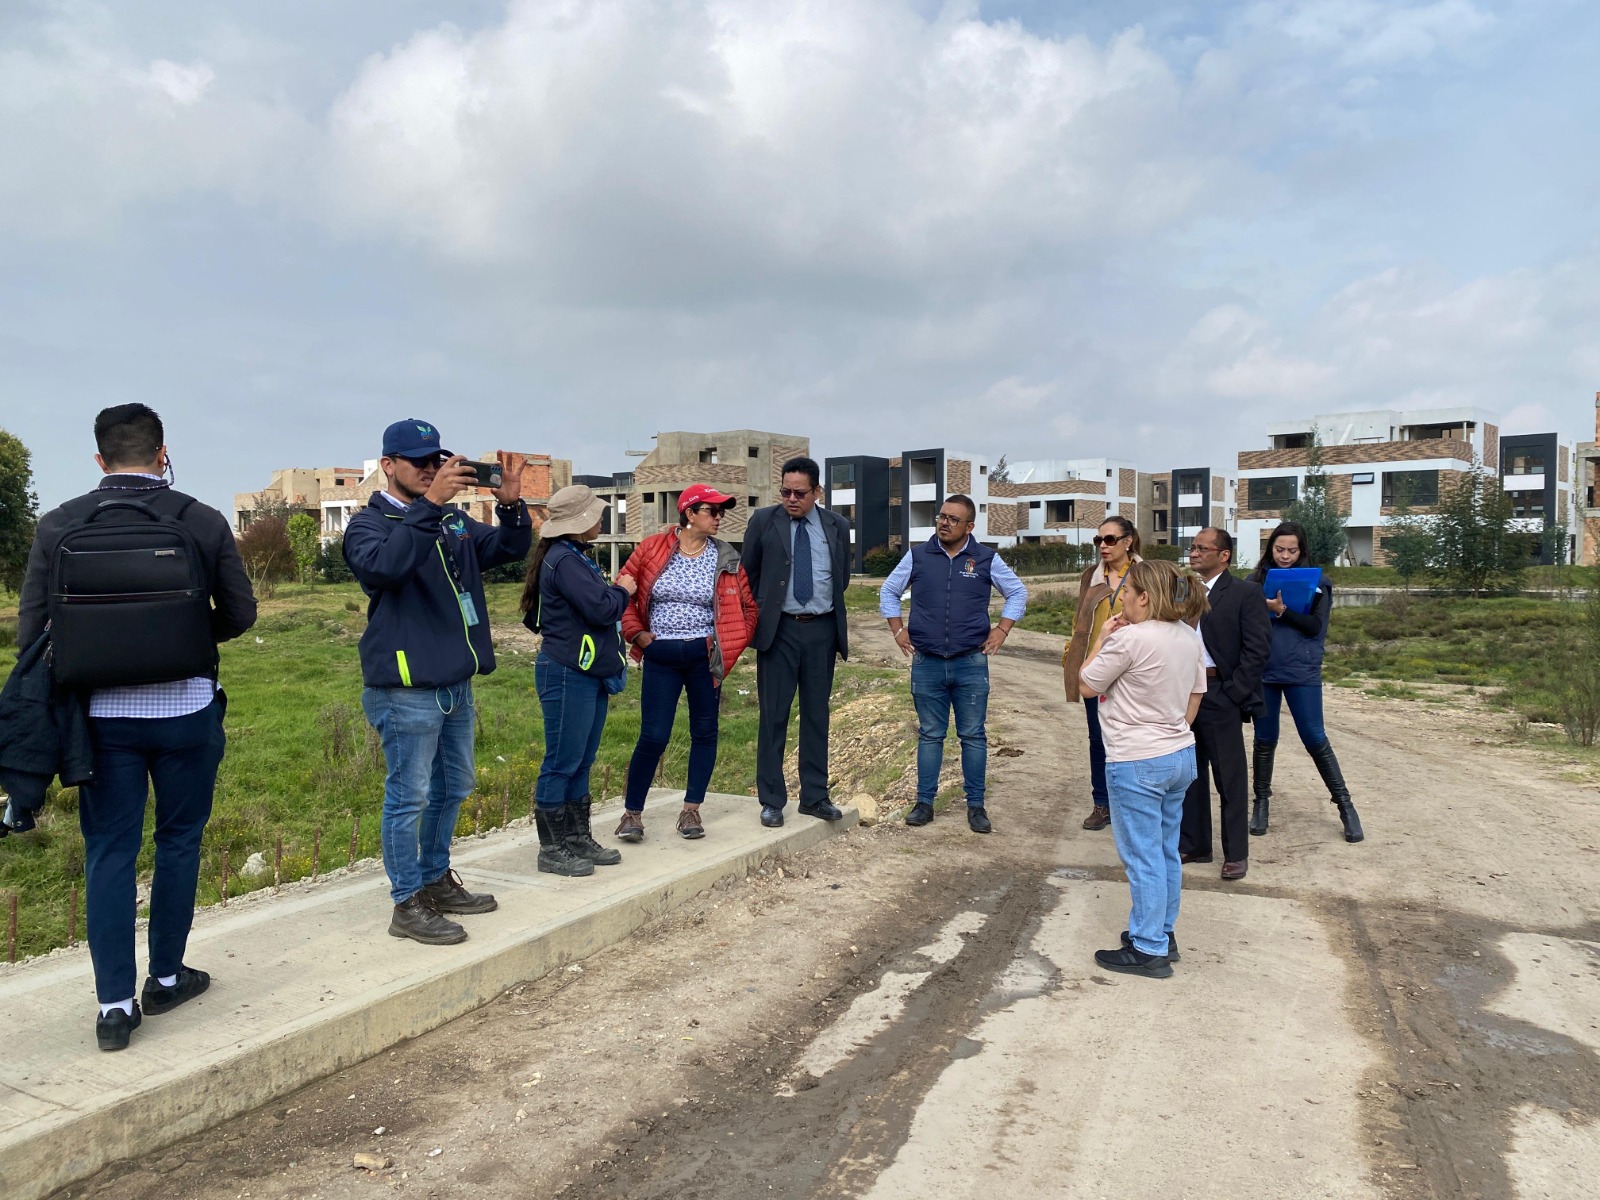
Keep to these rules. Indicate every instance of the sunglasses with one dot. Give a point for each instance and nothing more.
(1111, 539)
(715, 510)
(433, 460)
(794, 493)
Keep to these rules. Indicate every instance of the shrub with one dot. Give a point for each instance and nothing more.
(879, 561)
(1163, 553)
(1048, 558)
(331, 566)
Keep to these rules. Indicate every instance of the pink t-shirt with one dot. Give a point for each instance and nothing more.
(1146, 674)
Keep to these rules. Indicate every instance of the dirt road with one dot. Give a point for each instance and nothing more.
(916, 1012)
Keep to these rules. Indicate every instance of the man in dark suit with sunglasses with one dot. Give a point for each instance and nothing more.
(1236, 634)
(797, 558)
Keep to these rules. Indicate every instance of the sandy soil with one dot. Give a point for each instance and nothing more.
(667, 1065)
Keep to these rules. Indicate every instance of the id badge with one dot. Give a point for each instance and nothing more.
(469, 610)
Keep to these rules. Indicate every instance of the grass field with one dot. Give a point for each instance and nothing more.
(301, 756)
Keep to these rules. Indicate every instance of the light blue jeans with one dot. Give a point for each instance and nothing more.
(427, 743)
(937, 686)
(1146, 810)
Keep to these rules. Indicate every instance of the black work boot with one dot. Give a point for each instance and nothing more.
(420, 921)
(1333, 779)
(583, 839)
(1261, 781)
(448, 894)
(557, 854)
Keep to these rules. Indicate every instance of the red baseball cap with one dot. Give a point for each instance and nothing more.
(703, 493)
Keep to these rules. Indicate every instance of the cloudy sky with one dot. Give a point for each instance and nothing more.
(1054, 229)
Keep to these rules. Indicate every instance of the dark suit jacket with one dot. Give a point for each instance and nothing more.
(1238, 636)
(766, 560)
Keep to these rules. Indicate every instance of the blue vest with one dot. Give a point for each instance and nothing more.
(950, 598)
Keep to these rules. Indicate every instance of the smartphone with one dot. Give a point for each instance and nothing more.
(488, 474)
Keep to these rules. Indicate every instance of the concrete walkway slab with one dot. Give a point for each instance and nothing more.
(305, 984)
(1239, 1073)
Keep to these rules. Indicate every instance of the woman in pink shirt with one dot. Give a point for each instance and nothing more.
(1147, 669)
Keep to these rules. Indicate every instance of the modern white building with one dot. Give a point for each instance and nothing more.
(1062, 499)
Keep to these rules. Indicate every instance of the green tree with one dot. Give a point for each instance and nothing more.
(1474, 549)
(1407, 541)
(1001, 472)
(19, 510)
(1316, 510)
(306, 542)
(331, 565)
(1579, 651)
(264, 546)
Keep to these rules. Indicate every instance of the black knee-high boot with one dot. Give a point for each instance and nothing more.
(1333, 778)
(1261, 782)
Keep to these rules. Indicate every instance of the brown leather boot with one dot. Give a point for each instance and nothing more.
(1098, 818)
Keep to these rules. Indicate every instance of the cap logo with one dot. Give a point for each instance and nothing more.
(425, 430)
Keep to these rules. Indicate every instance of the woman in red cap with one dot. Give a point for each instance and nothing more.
(689, 620)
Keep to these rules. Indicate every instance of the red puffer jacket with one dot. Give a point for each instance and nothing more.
(736, 613)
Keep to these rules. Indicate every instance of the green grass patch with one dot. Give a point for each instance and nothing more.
(301, 755)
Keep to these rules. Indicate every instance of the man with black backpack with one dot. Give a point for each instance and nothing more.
(137, 583)
(421, 565)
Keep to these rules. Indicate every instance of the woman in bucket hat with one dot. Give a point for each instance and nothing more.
(568, 602)
(690, 619)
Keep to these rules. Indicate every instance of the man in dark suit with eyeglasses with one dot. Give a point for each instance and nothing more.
(797, 558)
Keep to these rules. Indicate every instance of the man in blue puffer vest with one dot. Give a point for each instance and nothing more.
(427, 635)
(950, 640)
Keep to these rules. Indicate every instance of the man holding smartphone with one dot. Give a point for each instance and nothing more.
(421, 566)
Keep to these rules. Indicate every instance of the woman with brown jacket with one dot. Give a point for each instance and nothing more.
(1100, 594)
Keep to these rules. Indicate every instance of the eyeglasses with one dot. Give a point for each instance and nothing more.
(949, 519)
(1111, 539)
(1197, 548)
(433, 460)
(794, 493)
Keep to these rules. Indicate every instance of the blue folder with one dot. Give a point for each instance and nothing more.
(1298, 584)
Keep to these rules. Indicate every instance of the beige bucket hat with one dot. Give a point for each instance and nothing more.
(573, 509)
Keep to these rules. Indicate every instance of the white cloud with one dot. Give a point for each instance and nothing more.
(181, 83)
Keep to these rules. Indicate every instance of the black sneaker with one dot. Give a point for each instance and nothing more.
(418, 920)
(1172, 945)
(920, 814)
(978, 820)
(1129, 961)
(447, 895)
(157, 999)
(113, 1029)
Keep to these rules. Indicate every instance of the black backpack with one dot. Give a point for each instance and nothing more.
(129, 602)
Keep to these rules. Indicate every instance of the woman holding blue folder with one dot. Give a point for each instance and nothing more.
(1300, 599)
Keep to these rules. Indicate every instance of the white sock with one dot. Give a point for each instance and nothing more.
(125, 1005)
(167, 980)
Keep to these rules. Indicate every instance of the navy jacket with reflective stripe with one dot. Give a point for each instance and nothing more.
(417, 634)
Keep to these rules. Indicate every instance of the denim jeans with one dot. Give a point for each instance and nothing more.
(427, 743)
(1097, 753)
(180, 757)
(937, 686)
(575, 707)
(1146, 810)
(673, 666)
(1305, 706)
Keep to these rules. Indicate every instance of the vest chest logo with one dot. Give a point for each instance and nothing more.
(457, 526)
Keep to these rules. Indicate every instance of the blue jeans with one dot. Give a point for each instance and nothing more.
(427, 743)
(180, 757)
(1305, 706)
(937, 686)
(1097, 753)
(574, 717)
(673, 666)
(1146, 810)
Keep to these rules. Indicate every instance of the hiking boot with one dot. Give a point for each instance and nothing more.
(1098, 818)
(583, 838)
(920, 814)
(418, 920)
(157, 999)
(558, 856)
(689, 825)
(447, 895)
(630, 828)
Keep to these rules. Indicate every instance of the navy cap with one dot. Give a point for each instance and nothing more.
(412, 439)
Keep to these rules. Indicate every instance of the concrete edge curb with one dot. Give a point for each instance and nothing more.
(58, 1153)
